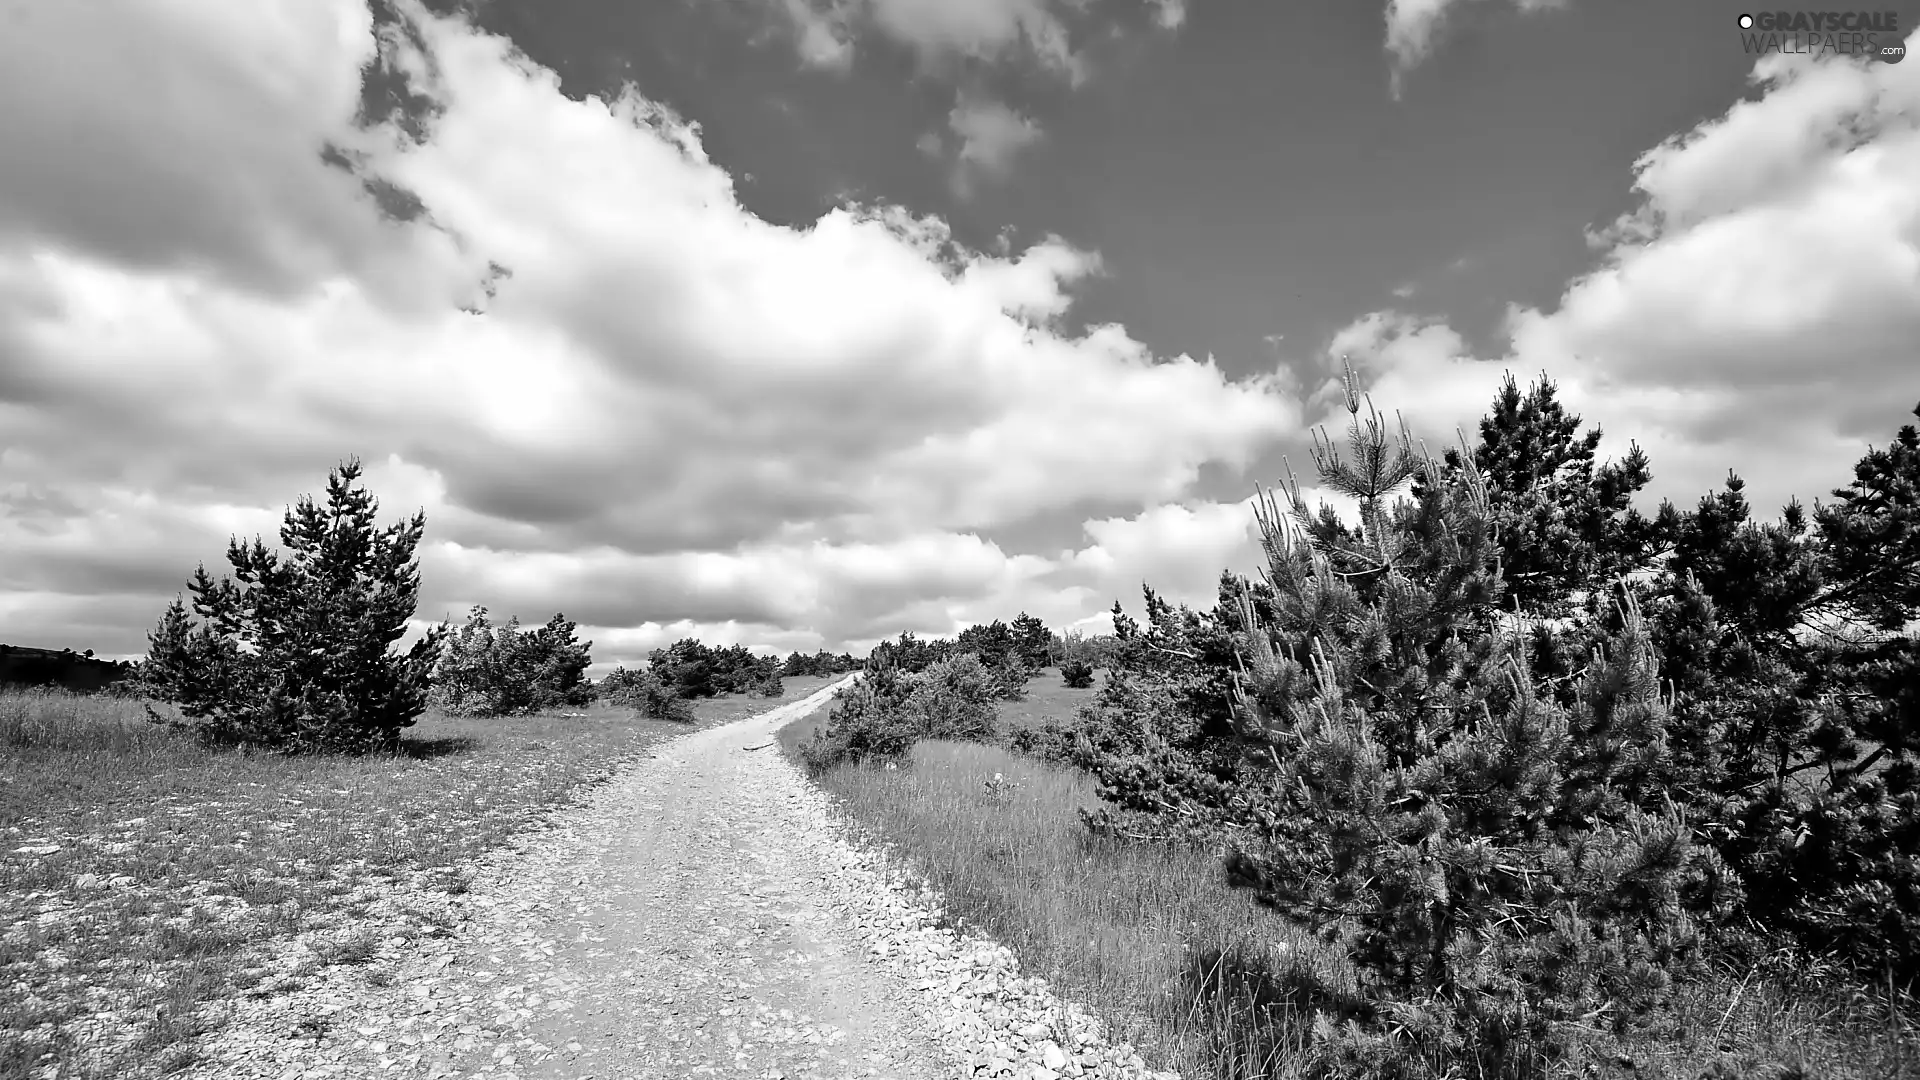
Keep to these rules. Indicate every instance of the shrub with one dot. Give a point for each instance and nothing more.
(1007, 681)
(1076, 658)
(992, 642)
(644, 693)
(293, 652)
(1798, 687)
(696, 670)
(881, 716)
(953, 699)
(867, 722)
(486, 670)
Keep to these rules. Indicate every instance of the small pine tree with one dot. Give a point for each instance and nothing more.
(556, 662)
(1499, 868)
(467, 677)
(1032, 641)
(866, 721)
(293, 652)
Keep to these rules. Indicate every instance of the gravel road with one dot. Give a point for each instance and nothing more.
(704, 914)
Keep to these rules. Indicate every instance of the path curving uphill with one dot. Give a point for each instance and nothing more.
(701, 915)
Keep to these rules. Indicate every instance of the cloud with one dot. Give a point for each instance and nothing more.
(243, 200)
(820, 34)
(1178, 549)
(1414, 28)
(990, 135)
(1169, 14)
(615, 391)
(1038, 34)
(1757, 311)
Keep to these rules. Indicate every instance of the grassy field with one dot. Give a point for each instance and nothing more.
(143, 877)
(1048, 698)
(1203, 981)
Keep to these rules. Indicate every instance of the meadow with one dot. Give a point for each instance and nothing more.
(145, 878)
(1202, 980)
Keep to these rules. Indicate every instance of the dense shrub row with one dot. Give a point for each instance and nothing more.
(821, 663)
(692, 669)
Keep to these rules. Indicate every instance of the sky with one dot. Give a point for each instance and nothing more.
(803, 323)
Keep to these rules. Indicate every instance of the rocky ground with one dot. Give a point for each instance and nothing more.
(703, 914)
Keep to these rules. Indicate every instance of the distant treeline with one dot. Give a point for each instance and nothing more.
(23, 666)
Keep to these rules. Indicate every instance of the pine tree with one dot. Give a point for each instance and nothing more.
(1032, 641)
(170, 648)
(463, 679)
(1567, 527)
(1789, 646)
(560, 662)
(293, 652)
(1499, 868)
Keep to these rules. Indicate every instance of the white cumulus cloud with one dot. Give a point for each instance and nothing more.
(1759, 311)
(615, 391)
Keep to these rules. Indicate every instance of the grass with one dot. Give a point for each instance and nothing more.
(1048, 698)
(144, 877)
(1203, 981)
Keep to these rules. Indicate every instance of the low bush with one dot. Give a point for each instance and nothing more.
(487, 670)
(954, 698)
(643, 692)
(887, 711)
(1007, 681)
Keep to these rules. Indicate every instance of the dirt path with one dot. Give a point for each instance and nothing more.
(674, 924)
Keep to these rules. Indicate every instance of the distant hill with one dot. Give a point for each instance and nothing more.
(23, 666)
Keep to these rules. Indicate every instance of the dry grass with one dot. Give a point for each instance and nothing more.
(143, 876)
(1151, 938)
(1205, 982)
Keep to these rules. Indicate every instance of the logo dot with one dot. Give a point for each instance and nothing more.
(1746, 22)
